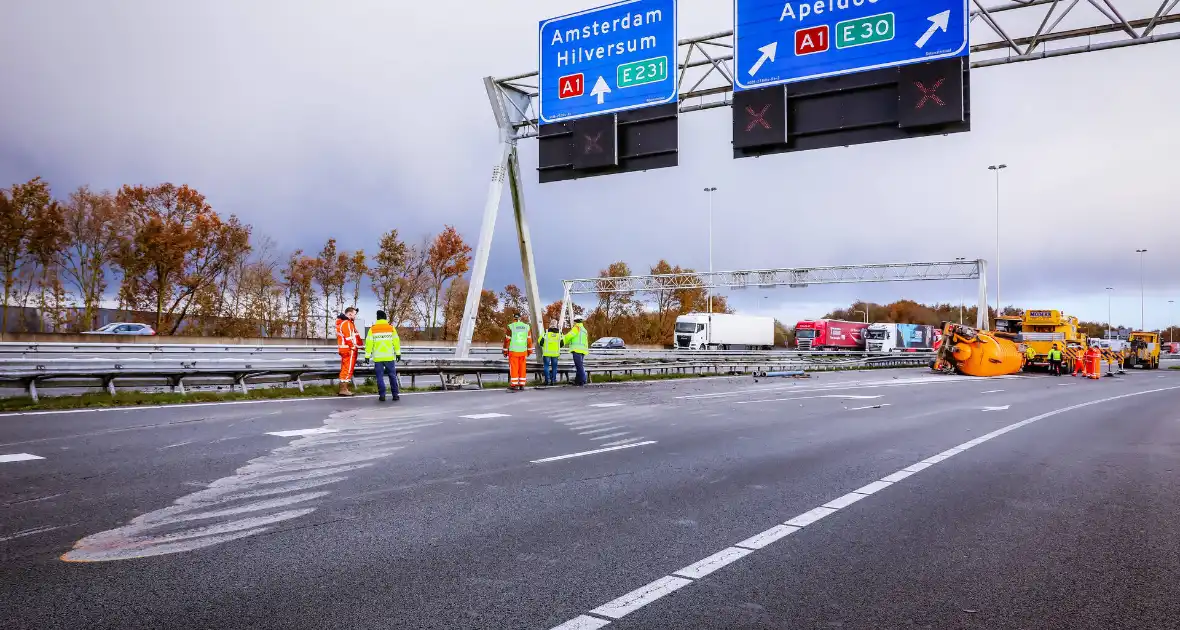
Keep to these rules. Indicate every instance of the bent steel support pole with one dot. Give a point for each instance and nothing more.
(565, 304)
(981, 317)
(525, 241)
(482, 251)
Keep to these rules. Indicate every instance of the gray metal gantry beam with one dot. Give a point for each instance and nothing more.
(1008, 32)
(796, 277)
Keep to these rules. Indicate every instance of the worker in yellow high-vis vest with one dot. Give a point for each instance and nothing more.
(578, 341)
(550, 351)
(518, 345)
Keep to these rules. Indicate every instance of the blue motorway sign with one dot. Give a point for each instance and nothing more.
(607, 59)
(783, 41)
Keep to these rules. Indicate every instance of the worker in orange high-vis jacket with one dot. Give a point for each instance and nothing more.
(348, 343)
(518, 345)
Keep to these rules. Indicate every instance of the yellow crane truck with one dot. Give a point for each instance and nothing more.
(1143, 350)
(1040, 329)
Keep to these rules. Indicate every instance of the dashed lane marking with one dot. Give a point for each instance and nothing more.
(604, 405)
(18, 457)
(626, 441)
(485, 416)
(1004, 408)
(871, 407)
(301, 432)
(601, 430)
(610, 435)
(605, 449)
(622, 606)
(992, 391)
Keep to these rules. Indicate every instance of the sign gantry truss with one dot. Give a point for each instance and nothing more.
(1009, 32)
(797, 277)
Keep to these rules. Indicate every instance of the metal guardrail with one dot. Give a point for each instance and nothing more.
(40, 365)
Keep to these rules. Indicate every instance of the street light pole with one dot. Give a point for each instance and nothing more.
(997, 168)
(1171, 325)
(1109, 335)
(1142, 319)
(711, 190)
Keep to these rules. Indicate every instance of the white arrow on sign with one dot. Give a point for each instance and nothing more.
(601, 89)
(938, 22)
(995, 408)
(767, 54)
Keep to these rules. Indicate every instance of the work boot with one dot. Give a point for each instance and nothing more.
(381, 399)
(344, 389)
(396, 398)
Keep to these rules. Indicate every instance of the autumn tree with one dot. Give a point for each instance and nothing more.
(357, 270)
(456, 296)
(613, 304)
(448, 257)
(398, 276)
(19, 207)
(174, 246)
(488, 326)
(298, 278)
(47, 241)
(329, 273)
(91, 223)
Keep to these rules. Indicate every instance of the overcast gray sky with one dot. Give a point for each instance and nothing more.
(315, 119)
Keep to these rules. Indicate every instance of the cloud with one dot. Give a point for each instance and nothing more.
(311, 120)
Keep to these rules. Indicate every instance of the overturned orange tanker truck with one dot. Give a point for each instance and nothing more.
(966, 350)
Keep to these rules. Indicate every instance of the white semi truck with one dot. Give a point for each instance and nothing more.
(721, 331)
(901, 337)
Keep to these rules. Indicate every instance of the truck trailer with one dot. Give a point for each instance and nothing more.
(723, 331)
(830, 334)
(901, 337)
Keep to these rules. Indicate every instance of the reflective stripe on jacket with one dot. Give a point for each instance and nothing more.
(552, 347)
(578, 340)
(382, 343)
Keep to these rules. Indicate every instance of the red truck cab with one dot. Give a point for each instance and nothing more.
(830, 334)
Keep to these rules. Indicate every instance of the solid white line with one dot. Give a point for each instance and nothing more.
(871, 407)
(603, 405)
(758, 541)
(601, 430)
(640, 597)
(700, 569)
(992, 391)
(583, 622)
(485, 416)
(844, 501)
(610, 435)
(18, 457)
(595, 451)
(298, 432)
(810, 516)
(750, 402)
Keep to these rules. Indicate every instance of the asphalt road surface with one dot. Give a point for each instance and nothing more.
(885, 499)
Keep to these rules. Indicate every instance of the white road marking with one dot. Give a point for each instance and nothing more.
(844, 501)
(995, 408)
(583, 622)
(626, 441)
(640, 597)
(810, 516)
(603, 405)
(750, 402)
(636, 599)
(837, 386)
(611, 435)
(758, 541)
(992, 391)
(302, 432)
(870, 407)
(874, 487)
(593, 452)
(700, 569)
(587, 424)
(175, 445)
(485, 416)
(601, 430)
(18, 457)
(30, 532)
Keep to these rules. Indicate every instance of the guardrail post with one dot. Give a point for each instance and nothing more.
(178, 385)
(110, 385)
(299, 381)
(242, 383)
(33, 390)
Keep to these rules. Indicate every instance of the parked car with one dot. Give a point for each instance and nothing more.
(122, 328)
(609, 343)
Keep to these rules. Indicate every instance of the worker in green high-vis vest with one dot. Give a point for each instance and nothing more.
(550, 351)
(518, 345)
(578, 341)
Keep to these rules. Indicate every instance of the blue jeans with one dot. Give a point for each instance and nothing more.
(383, 369)
(579, 360)
(549, 369)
